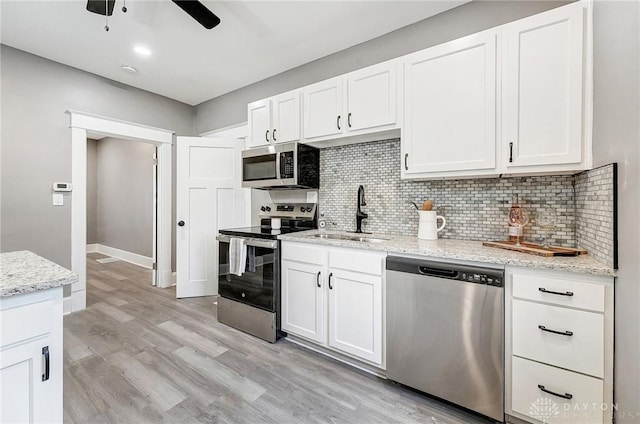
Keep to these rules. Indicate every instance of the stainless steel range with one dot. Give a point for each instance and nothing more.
(251, 301)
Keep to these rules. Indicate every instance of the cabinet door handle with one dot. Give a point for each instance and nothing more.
(543, 290)
(562, 333)
(349, 119)
(318, 279)
(266, 136)
(273, 135)
(338, 122)
(45, 353)
(563, 396)
(510, 152)
(330, 285)
(406, 158)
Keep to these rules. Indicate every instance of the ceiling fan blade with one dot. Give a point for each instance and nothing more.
(199, 12)
(100, 6)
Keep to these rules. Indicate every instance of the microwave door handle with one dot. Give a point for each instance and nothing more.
(278, 173)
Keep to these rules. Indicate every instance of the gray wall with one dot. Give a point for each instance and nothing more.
(467, 19)
(92, 191)
(123, 195)
(36, 142)
(616, 138)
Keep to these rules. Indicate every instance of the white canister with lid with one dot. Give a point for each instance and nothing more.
(276, 223)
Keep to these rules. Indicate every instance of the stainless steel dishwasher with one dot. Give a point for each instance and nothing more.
(445, 331)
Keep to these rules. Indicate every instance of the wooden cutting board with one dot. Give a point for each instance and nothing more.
(535, 249)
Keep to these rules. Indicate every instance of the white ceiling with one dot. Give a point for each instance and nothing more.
(256, 39)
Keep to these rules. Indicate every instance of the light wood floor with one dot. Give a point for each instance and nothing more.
(138, 355)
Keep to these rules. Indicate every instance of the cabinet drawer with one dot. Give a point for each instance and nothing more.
(301, 252)
(357, 261)
(25, 322)
(528, 398)
(582, 351)
(559, 291)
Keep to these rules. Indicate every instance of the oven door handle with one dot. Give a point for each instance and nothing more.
(267, 244)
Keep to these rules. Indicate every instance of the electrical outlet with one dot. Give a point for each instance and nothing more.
(58, 199)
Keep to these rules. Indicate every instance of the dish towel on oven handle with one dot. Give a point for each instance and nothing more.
(237, 256)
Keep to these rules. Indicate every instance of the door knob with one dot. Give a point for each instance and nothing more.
(180, 223)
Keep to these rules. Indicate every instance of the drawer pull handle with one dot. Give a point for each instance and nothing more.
(543, 290)
(330, 285)
(563, 396)
(562, 333)
(45, 353)
(318, 279)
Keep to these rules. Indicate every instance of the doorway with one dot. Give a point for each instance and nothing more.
(81, 125)
(121, 190)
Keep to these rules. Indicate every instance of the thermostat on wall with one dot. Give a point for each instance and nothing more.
(61, 186)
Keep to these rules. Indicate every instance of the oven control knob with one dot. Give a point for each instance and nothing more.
(244, 295)
(308, 209)
(301, 208)
(268, 209)
(262, 208)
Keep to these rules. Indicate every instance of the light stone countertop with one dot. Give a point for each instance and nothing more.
(25, 272)
(464, 250)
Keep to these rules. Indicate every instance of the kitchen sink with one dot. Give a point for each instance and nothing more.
(347, 237)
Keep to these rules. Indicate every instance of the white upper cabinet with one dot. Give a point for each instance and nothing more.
(450, 108)
(543, 110)
(371, 97)
(322, 106)
(286, 117)
(274, 120)
(259, 122)
(361, 102)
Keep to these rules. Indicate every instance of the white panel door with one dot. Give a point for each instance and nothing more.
(259, 122)
(322, 108)
(542, 108)
(303, 300)
(286, 117)
(24, 397)
(209, 197)
(355, 314)
(372, 97)
(450, 107)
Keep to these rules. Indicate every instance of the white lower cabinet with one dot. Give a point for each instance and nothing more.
(334, 297)
(559, 346)
(31, 357)
(303, 300)
(355, 314)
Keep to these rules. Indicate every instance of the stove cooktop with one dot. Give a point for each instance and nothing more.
(260, 232)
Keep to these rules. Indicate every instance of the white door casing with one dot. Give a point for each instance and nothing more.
(81, 123)
(209, 197)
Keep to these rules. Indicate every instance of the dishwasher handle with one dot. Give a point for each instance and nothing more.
(437, 272)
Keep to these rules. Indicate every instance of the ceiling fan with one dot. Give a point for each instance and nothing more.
(193, 8)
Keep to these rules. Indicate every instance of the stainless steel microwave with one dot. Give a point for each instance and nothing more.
(281, 166)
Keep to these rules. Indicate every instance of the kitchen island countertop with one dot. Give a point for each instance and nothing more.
(24, 272)
(463, 250)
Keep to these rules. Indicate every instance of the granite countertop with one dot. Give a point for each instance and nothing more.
(25, 272)
(465, 250)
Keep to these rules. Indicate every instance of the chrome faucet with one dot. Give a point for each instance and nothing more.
(359, 214)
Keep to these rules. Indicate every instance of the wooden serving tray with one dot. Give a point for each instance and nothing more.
(535, 249)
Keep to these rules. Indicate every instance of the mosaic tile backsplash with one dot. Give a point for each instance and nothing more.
(475, 209)
(595, 207)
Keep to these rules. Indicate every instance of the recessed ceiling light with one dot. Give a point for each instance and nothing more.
(129, 69)
(142, 50)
